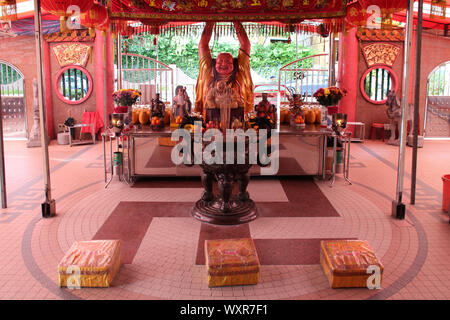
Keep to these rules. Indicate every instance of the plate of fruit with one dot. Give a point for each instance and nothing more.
(299, 122)
(157, 124)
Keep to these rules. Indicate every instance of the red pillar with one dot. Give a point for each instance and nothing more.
(348, 72)
(48, 89)
(110, 40)
(104, 71)
(99, 56)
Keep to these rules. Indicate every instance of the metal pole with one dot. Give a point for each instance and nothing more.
(105, 52)
(119, 61)
(398, 208)
(331, 60)
(2, 156)
(48, 207)
(416, 102)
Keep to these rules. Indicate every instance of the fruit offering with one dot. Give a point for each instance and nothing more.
(144, 116)
(299, 120)
(310, 116)
(135, 116)
(178, 119)
(156, 121)
(318, 115)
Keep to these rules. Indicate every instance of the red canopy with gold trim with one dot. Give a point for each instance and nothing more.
(227, 10)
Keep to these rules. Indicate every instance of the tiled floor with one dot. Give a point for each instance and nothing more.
(165, 263)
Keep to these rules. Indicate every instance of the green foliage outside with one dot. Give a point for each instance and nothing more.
(8, 75)
(266, 60)
(437, 83)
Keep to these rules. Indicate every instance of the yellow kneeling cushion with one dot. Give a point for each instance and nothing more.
(349, 263)
(90, 264)
(231, 262)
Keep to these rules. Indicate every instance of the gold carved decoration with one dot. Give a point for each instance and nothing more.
(380, 53)
(72, 54)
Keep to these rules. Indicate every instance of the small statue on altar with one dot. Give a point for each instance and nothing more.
(158, 108)
(264, 108)
(219, 102)
(181, 105)
(394, 113)
(224, 73)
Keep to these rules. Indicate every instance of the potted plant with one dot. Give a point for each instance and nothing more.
(125, 98)
(329, 98)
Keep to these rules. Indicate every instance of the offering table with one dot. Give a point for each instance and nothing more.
(147, 153)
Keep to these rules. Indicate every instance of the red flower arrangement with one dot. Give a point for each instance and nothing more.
(329, 96)
(126, 97)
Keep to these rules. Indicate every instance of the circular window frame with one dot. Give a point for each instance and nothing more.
(58, 78)
(378, 66)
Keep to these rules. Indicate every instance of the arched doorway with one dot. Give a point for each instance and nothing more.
(437, 111)
(13, 102)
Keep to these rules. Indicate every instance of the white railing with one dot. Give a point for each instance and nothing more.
(304, 76)
(147, 75)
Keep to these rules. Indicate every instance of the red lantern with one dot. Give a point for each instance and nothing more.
(364, 12)
(66, 8)
(96, 17)
(153, 26)
(356, 16)
(386, 6)
(322, 30)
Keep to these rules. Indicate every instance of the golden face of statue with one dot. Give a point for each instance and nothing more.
(224, 64)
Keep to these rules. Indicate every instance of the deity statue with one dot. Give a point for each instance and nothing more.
(394, 113)
(224, 80)
(221, 101)
(158, 107)
(181, 105)
(264, 108)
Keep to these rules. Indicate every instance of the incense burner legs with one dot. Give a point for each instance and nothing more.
(222, 207)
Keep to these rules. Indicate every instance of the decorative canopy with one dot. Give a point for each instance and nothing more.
(227, 10)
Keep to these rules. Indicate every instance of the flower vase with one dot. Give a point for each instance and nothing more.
(121, 109)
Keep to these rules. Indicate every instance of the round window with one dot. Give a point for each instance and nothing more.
(73, 84)
(376, 82)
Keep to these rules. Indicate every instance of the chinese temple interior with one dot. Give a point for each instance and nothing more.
(110, 190)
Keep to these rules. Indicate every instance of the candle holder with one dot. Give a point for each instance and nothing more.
(117, 122)
(339, 122)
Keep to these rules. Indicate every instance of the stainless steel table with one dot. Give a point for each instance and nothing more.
(301, 152)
